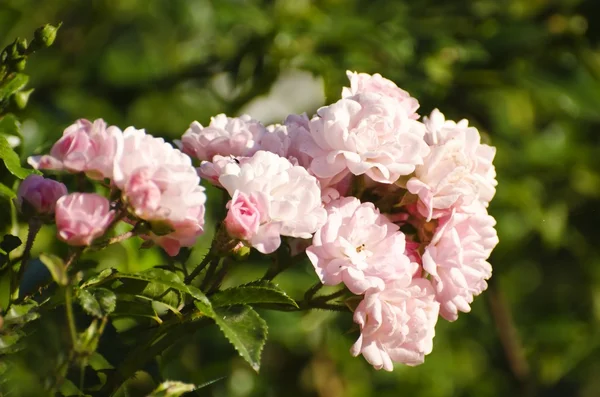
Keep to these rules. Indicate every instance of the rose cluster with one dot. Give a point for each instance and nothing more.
(156, 185)
(392, 207)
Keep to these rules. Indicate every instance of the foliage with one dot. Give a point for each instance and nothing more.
(527, 73)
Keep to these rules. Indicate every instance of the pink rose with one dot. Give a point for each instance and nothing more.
(82, 217)
(397, 324)
(40, 193)
(244, 216)
(365, 134)
(457, 171)
(84, 147)
(359, 247)
(161, 186)
(224, 136)
(291, 196)
(456, 259)
(364, 83)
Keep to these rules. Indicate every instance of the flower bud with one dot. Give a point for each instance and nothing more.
(45, 36)
(38, 195)
(21, 98)
(244, 216)
(82, 217)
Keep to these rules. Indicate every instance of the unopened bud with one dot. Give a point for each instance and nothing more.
(18, 64)
(45, 36)
(21, 98)
(240, 252)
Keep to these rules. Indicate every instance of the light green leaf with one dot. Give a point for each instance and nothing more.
(253, 293)
(21, 314)
(9, 125)
(12, 161)
(7, 192)
(172, 389)
(12, 84)
(98, 278)
(68, 389)
(245, 329)
(56, 267)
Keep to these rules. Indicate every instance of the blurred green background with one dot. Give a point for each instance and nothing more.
(525, 72)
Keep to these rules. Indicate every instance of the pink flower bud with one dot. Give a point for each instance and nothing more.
(82, 217)
(244, 216)
(40, 193)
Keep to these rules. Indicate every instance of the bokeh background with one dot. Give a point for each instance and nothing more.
(525, 72)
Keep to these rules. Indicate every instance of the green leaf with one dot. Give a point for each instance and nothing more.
(12, 161)
(21, 314)
(98, 278)
(172, 389)
(131, 306)
(7, 192)
(99, 363)
(9, 125)
(252, 293)
(245, 329)
(166, 279)
(97, 302)
(12, 84)
(68, 388)
(56, 267)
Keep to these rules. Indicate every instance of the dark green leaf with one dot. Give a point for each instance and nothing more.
(10, 243)
(172, 389)
(253, 293)
(165, 278)
(12, 161)
(98, 302)
(245, 329)
(56, 267)
(13, 84)
(7, 192)
(131, 306)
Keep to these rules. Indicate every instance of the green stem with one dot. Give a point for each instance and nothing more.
(207, 259)
(70, 316)
(220, 276)
(313, 290)
(214, 263)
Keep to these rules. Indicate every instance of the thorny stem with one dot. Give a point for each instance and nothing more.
(70, 317)
(209, 273)
(34, 227)
(207, 259)
(312, 291)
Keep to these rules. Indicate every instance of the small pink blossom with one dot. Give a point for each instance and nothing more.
(85, 146)
(40, 193)
(161, 186)
(291, 195)
(456, 259)
(82, 217)
(224, 136)
(244, 216)
(365, 134)
(457, 171)
(364, 83)
(397, 324)
(359, 247)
